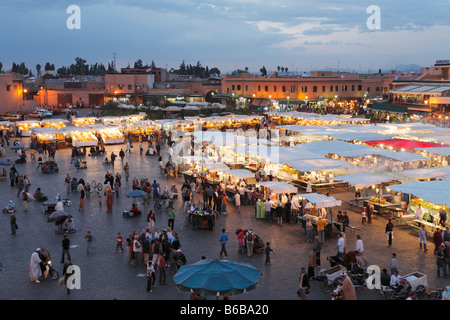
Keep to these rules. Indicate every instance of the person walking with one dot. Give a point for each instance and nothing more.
(119, 242)
(223, 238)
(440, 263)
(423, 238)
(224, 204)
(317, 247)
(151, 221)
(341, 246)
(80, 188)
(393, 266)
(237, 201)
(171, 217)
(267, 251)
(109, 200)
(65, 273)
(35, 266)
(13, 222)
(137, 249)
(25, 201)
(389, 230)
(162, 269)
(126, 169)
(312, 264)
(304, 286)
(359, 248)
(20, 185)
(67, 180)
(150, 276)
(89, 238)
(267, 208)
(437, 239)
(65, 244)
(309, 230)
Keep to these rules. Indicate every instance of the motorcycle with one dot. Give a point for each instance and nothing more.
(435, 294)
(51, 271)
(398, 292)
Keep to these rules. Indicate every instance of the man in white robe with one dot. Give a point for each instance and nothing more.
(35, 268)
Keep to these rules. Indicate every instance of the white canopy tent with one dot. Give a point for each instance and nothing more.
(441, 151)
(364, 180)
(319, 200)
(424, 173)
(238, 174)
(305, 165)
(279, 187)
(436, 192)
(216, 167)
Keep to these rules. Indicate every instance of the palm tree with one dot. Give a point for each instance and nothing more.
(282, 69)
(278, 68)
(38, 69)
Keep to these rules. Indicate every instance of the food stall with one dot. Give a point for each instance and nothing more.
(239, 180)
(24, 127)
(191, 163)
(83, 121)
(7, 128)
(111, 135)
(48, 136)
(54, 123)
(81, 137)
(276, 192)
(199, 218)
(431, 195)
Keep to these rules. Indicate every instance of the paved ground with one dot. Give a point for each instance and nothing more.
(108, 275)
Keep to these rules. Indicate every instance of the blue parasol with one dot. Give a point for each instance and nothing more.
(136, 194)
(18, 146)
(4, 163)
(211, 276)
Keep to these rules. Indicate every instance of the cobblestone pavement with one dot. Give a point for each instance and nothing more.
(108, 275)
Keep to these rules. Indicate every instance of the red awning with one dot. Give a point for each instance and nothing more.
(404, 144)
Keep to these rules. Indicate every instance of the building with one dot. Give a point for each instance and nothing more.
(13, 96)
(317, 85)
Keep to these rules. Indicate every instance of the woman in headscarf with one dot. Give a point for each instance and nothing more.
(80, 188)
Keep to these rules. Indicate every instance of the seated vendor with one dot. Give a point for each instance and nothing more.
(92, 150)
(339, 217)
(38, 194)
(135, 209)
(68, 225)
(173, 192)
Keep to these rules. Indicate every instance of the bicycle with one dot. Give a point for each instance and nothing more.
(161, 204)
(97, 187)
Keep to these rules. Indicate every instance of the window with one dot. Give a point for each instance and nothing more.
(274, 88)
(232, 87)
(331, 88)
(228, 90)
(259, 88)
(377, 89)
(239, 87)
(353, 87)
(284, 88)
(120, 86)
(266, 88)
(304, 89)
(111, 87)
(314, 88)
(368, 89)
(129, 87)
(8, 88)
(246, 87)
(359, 87)
(323, 89)
(292, 88)
(344, 87)
(336, 88)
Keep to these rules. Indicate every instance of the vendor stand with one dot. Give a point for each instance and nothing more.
(239, 180)
(200, 219)
(277, 193)
(432, 196)
(82, 121)
(81, 137)
(110, 135)
(48, 136)
(24, 127)
(54, 123)
(320, 202)
(7, 128)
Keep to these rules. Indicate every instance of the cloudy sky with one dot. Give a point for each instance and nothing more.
(298, 34)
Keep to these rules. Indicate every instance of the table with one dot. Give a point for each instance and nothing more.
(403, 220)
(329, 229)
(429, 227)
(324, 186)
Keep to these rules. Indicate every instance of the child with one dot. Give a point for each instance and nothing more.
(99, 200)
(363, 216)
(267, 251)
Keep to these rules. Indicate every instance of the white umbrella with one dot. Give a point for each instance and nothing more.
(192, 107)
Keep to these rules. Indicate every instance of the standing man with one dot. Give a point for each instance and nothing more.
(442, 217)
(267, 208)
(13, 223)
(389, 232)
(321, 224)
(65, 274)
(393, 266)
(440, 263)
(341, 246)
(419, 212)
(171, 217)
(423, 238)
(250, 241)
(237, 201)
(67, 182)
(126, 169)
(223, 238)
(65, 244)
(267, 251)
(35, 266)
